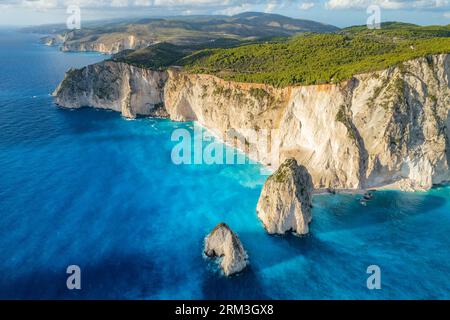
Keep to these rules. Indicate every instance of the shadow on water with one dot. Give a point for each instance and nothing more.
(89, 120)
(243, 286)
(112, 278)
(289, 253)
(345, 212)
(127, 277)
(86, 120)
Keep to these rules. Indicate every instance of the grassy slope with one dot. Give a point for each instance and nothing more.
(322, 58)
(163, 55)
(306, 59)
(156, 57)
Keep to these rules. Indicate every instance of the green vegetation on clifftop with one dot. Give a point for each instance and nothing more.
(155, 57)
(322, 58)
(301, 60)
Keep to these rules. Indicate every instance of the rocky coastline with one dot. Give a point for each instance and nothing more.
(385, 129)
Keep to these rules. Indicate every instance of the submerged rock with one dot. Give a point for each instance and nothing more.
(223, 242)
(286, 200)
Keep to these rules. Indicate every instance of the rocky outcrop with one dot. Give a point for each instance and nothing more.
(116, 86)
(225, 244)
(52, 40)
(107, 44)
(382, 129)
(286, 200)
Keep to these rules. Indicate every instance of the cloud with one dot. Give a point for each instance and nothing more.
(275, 4)
(306, 5)
(140, 3)
(270, 7)
(216, 6)
(387, 4)
(230, 6)
(234, 10)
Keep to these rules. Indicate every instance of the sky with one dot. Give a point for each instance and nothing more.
(337, 12)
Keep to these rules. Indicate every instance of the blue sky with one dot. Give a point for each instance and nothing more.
(337, 12)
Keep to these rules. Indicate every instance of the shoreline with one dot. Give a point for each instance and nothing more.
(394, 186)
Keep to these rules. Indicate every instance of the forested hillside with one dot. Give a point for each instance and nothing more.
(322, 58)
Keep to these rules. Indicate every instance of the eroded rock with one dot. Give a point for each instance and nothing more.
(286, 200)
(222, 242)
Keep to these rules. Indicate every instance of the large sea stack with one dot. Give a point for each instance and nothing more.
(286, 200)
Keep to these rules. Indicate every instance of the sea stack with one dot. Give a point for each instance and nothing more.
(224, 243)
(286, 200)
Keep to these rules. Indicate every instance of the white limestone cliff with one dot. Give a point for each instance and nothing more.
(388, 128)
(116, 86)
(105, 44)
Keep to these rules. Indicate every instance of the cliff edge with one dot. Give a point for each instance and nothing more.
(116, 86)
(388, 128)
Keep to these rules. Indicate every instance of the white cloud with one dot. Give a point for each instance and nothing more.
(447, 15)
(270, 7)
(47, 4)
(387, 4)
(230, 6)
(234, 10)
(119, 3)
(39, 4)
(306, 5)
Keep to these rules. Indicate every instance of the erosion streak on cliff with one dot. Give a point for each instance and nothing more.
(386, 128)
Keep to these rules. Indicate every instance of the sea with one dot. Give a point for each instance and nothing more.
(90, 189)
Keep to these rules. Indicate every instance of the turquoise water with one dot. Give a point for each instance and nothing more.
(89, 188)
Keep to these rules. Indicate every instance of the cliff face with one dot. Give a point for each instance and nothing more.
(109, 45)
(115, 86)
(237, 112)
(387, 128)
(53, 40)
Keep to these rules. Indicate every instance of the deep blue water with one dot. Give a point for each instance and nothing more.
(89, 188)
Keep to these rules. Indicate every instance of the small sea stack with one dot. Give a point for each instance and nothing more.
(223, 243)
